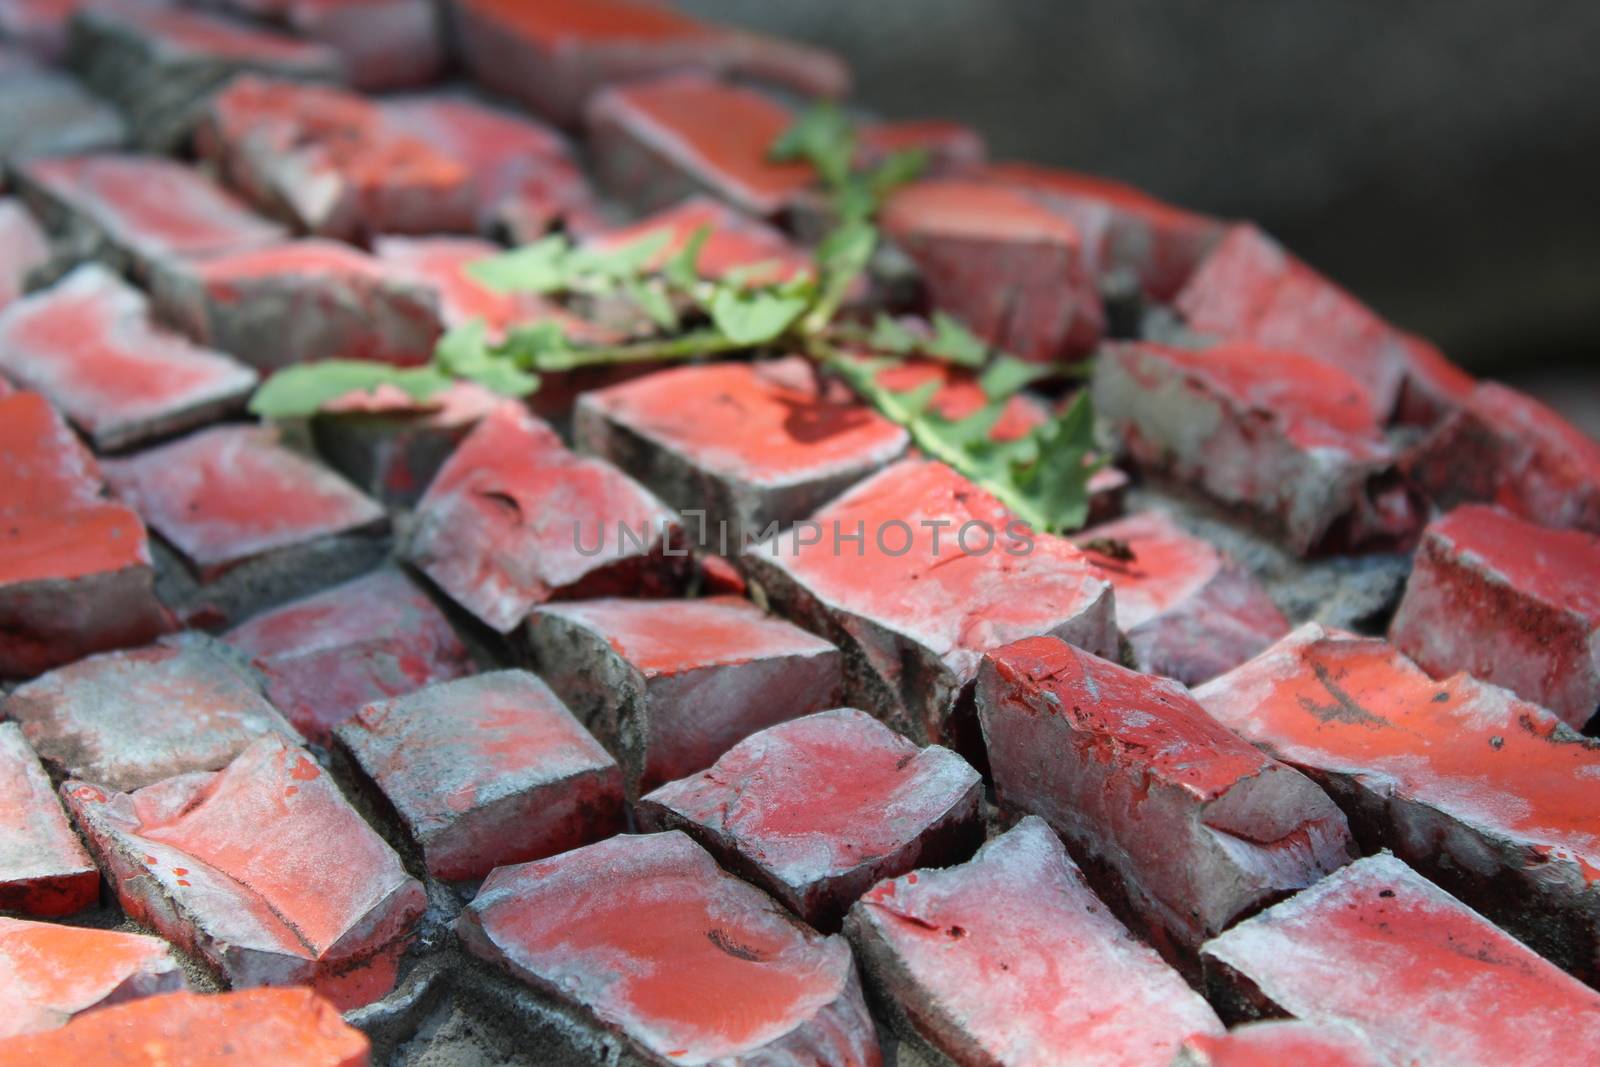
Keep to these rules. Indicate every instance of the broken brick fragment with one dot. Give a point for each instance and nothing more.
(45, 112)
(1182, 824)
(1279, 1042)
(1421, 976)
(23, 248)
(733, 242)
(43, 867)
(262, 869)
(1433, 388)
(670, 685)
(1010, 959)
(658, 954)
(89, 344)
(53, 973)
(1188, 610)
(486, 771)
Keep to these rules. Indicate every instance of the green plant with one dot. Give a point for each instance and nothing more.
(1042, 476)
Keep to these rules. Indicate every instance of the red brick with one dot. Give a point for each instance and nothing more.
(1489, 795)
(89, 344)
(733, 242)
(914, 625)
(1010, 959)
(1421, 976)
(382, 44)
(670, 685)
(1433, 388)
(1180, 822)
(262, 869)
(659, 954)
(298, 301)
(23, 247)
(43, 867)
(1272, 1044)
(48, 112)
(1014, 272)
(328, 655)
(486, 771)
(1506, 448)
(817, 810)
(1188, 610)
(53, 973)
(950, 147)
(39, 27)
(553, 56)
(187, 1030)
(747, 444)
(1286, 435)
(513, 519)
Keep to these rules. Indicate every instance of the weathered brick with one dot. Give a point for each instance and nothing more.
(89, 344)
(1272, 1044)
(297, 301)
(262, 869)
(382, 44)
(733, 241)
(1489, 795)
(513, 519)
(43, 867)
(1433, 388)
(1279, 432)
(330, 654)
(1013, 271)
(928, 589)
(37, 28)
(44, 112)
(1010, 959)
(1182, 824)
(223, 1030)
(1422, 977)
(662, 956)
(486, 771)
(670, 685)
(554, 56)
(746, 444)
(1188, 610)
(53, 973)
(23, 248)
(1505, 447)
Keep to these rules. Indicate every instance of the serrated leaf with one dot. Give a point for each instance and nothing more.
(753, 317)
(889, 336)
(970, 431)
(908, 405)
(1008, 375)
(541, 267)
(1055, 484)
(542, 346)
(954, 343)
(682, 271)
(305, 389)
(463, 347)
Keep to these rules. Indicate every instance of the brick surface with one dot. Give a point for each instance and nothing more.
(1286, 435)
(43, 867)
(262, 869)
(950, 147)
(23, 248)
(36, 29)
(381, 44)
(514, 519)
(670, 685)
(733, 241)
(658, 951)
(1010, 959)
(1013, 271)
(89, 344)
(53, 973)
(328, 655)
(554, 56)
(1490, 795)
(224, 1030)
(1179, 821)
(487, 771)
(44, 113)
(1188, 610)
(1422, 977)
(1271, 1044)
(1433, 387)
(914, 610)
(747, 444)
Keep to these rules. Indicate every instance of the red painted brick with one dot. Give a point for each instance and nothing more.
(670, 685)
(43, 867)
(234, 493)
(514, 519)
(1489, 795)
(1284, 434)
(53, 973)
(328, 655)
(262, 869)
(950, 147)
(653, 948)
(747, 444)
(1272, 1044)
(89, 344)
(1421, 976)
(382, 44)
(733, 242)
(1506, 448)
(23, 247)
(486, 771)
(298, 301)
(1013, 271)
(913, 624)
(1180, 822)
(554, 56)
(49, 112)
(1010, 959)
(187, 1030)
(1188, 610)
(1433, 388)
(817, 810)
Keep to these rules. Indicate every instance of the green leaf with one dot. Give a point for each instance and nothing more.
(909, 405)
(842, 257)
(654, 301)
(1008, 375)
(954, 343)
(683, 269)
(753, 317)
(543, 346)
(889, 336)
(541, 267)
(463, 347)
(898, 169)
(305, 389)
(970, 431)
(628, 260)
(821, 136)
(1056, 482)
